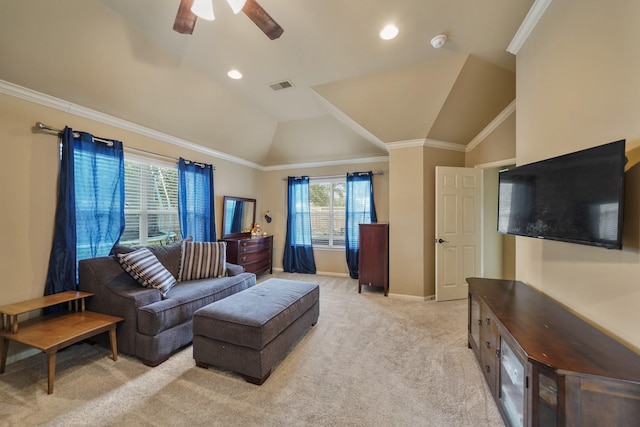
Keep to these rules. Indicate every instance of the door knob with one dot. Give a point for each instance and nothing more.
(442, 241)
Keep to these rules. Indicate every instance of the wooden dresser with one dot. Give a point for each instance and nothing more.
(544, 365)
(373, 256)
(255, 254)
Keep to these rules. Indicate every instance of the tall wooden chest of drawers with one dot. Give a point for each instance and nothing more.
(373, 256)
(255, 254)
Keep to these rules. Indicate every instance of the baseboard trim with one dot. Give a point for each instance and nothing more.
(320, 273)
(409, 297)
(25, 354)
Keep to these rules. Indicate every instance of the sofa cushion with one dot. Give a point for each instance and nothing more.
(187, 297)
(169, 255)
(201, 260)
(145, 267)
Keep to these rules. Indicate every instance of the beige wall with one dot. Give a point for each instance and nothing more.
(274, 198)
(412, 217)
(498, 145)
(29, 177)
(492, 241)
(578, 86)
(406, 221)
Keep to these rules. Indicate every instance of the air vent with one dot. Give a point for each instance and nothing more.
(285, 84)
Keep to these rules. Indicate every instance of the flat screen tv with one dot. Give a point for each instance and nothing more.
(577, 197)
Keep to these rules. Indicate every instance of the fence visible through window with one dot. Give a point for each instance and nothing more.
(151, 204)
(327, 200)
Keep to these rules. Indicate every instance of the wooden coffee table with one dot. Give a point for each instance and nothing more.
(54, 332)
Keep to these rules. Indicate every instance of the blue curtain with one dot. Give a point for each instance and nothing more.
(89, 215)
(196, 201)
(360, 210)
(298, 252)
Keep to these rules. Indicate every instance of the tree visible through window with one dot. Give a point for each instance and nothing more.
(327, 200)
(151, 203)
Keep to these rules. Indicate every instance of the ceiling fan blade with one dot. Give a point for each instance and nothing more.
(185, 19)
(262, 19)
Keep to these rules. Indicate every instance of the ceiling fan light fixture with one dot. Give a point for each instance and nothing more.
(389, 32)
(203, 9)
(236, 5)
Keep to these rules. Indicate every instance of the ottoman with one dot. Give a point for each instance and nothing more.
(251, 331)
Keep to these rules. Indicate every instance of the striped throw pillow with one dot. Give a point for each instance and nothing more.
(143, 266)
(201, 260)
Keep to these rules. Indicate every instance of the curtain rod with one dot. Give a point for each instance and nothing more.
(333, 176)
(42, 126)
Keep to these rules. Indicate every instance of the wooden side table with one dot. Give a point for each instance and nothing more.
(54, 332)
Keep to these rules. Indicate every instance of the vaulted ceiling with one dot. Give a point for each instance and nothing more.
(352, 92)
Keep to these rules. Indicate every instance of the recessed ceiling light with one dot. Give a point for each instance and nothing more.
(234, 74)
(389, 32)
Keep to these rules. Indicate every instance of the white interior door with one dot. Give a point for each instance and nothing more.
(458, 236)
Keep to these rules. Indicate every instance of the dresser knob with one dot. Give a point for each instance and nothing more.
(488, 368)
(488, 344)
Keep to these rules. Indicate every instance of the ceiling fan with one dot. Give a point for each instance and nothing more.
(190, 10)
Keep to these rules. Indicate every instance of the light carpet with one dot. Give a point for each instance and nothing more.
(370, 361)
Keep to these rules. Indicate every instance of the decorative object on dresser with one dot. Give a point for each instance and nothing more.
(255, 254)
(544, 365)
(373, 256)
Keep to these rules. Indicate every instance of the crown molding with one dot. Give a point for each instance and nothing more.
(444, 145)
(528, 24)
(87, 113)
(384, 159)
(493, 125)
(425, 143)
(405, 144)
(497, 164)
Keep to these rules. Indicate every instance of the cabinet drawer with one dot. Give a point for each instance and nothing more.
(247, 246)
(249, 257)
(489, 346)
(258, 266)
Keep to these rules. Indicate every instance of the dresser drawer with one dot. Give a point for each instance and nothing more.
(249, 245)
(259, 266)
(254, 254)
(249, 257)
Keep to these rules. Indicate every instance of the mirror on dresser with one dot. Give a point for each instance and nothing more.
(253, 253)
(238, 216)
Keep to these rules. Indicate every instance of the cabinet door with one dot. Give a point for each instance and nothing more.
(474, 322)
(544, 402)
(512, 382)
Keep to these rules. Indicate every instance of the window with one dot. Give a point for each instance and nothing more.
(151, 202)
(327, 200)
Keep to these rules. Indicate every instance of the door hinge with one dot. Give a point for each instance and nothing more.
(526, 382)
